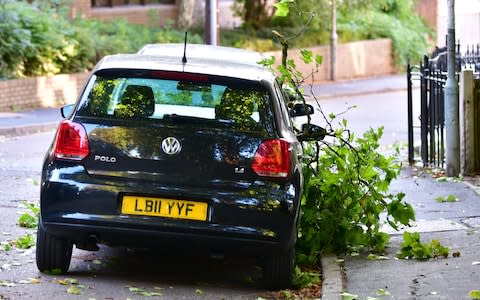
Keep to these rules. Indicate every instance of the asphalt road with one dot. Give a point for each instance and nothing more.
(111, 272)
(371, 111)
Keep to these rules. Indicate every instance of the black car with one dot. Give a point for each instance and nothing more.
(191, 148)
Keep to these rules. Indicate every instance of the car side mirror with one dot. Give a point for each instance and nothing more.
(66, 110)
(311, 132)
(300, 109)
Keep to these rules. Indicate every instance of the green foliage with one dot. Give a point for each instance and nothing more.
(406, 30)
(36, 39)
(412, 247)
(25, 242)
(450, 198)
(345, 192)
(303, 279)
(345, 184)
(47, 44)
(356, 20)
(142, 292)
(29, 219)
(474, 294)
(6, 246)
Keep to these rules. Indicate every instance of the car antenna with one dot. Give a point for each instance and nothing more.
(184, 59)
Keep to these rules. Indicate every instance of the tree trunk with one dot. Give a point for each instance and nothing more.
(185, 13)
(257, 13)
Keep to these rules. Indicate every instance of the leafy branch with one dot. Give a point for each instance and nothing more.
(347, 179)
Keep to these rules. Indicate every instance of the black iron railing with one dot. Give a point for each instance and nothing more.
(432, 74)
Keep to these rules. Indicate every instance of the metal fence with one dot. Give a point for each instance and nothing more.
(432, 74)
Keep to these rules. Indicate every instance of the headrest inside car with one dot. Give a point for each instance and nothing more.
(137, 101)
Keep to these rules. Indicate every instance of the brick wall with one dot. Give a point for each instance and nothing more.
(80, 8)
(354, 60)
(46, 91)
(137, 14)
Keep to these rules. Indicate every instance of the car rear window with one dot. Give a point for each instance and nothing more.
(170, 96)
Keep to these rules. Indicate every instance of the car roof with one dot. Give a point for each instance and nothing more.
(201, 59)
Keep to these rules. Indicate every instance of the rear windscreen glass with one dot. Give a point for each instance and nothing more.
(177, 97)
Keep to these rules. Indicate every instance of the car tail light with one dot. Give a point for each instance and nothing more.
(71, 142)
(273, 159)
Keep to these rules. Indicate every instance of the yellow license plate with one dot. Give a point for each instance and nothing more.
(168, 208)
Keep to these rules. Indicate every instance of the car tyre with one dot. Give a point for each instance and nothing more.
(53, 254)
(278, 270)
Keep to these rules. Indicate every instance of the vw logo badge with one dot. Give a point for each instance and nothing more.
(171, 145)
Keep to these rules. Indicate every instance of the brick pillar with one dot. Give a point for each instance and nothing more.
(80, 8)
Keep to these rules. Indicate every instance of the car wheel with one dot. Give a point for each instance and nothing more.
(278, 270)
(53, 254)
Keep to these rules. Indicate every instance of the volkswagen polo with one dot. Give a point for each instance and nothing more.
(179, 146)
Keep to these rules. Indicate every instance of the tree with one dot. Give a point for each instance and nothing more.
(185, 14)
(254, 13)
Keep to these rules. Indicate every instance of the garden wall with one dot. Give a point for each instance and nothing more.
(45, 91)
(137, 14)
(355, 60)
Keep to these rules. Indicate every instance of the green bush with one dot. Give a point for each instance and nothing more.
(14, 41)
(409, 35)
(37, 40)
(356, 20)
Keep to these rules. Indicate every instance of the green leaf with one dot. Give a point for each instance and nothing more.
(282, 9)
(318, 59)
(27, 220)
(306, 55)
(267, 62)
(73, 290)
(452, 198)
(6, 283)
(449, 198)
(149, 294)
(54, 272)
(25, 242)
(348, 296)
(382, 292)
(474, 294)
(372, 256)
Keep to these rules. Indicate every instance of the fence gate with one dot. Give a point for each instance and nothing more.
(432, 74)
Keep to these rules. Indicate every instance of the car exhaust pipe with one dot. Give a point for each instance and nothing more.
(90, 244)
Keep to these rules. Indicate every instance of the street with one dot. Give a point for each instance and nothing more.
(112, 273)
(118, 273)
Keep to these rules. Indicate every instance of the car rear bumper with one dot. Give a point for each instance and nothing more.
(178, 241)
(247, 219)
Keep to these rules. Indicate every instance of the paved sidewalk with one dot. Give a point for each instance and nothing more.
(44, 119)
(28, 122)
(382, 84)
(456, 225)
